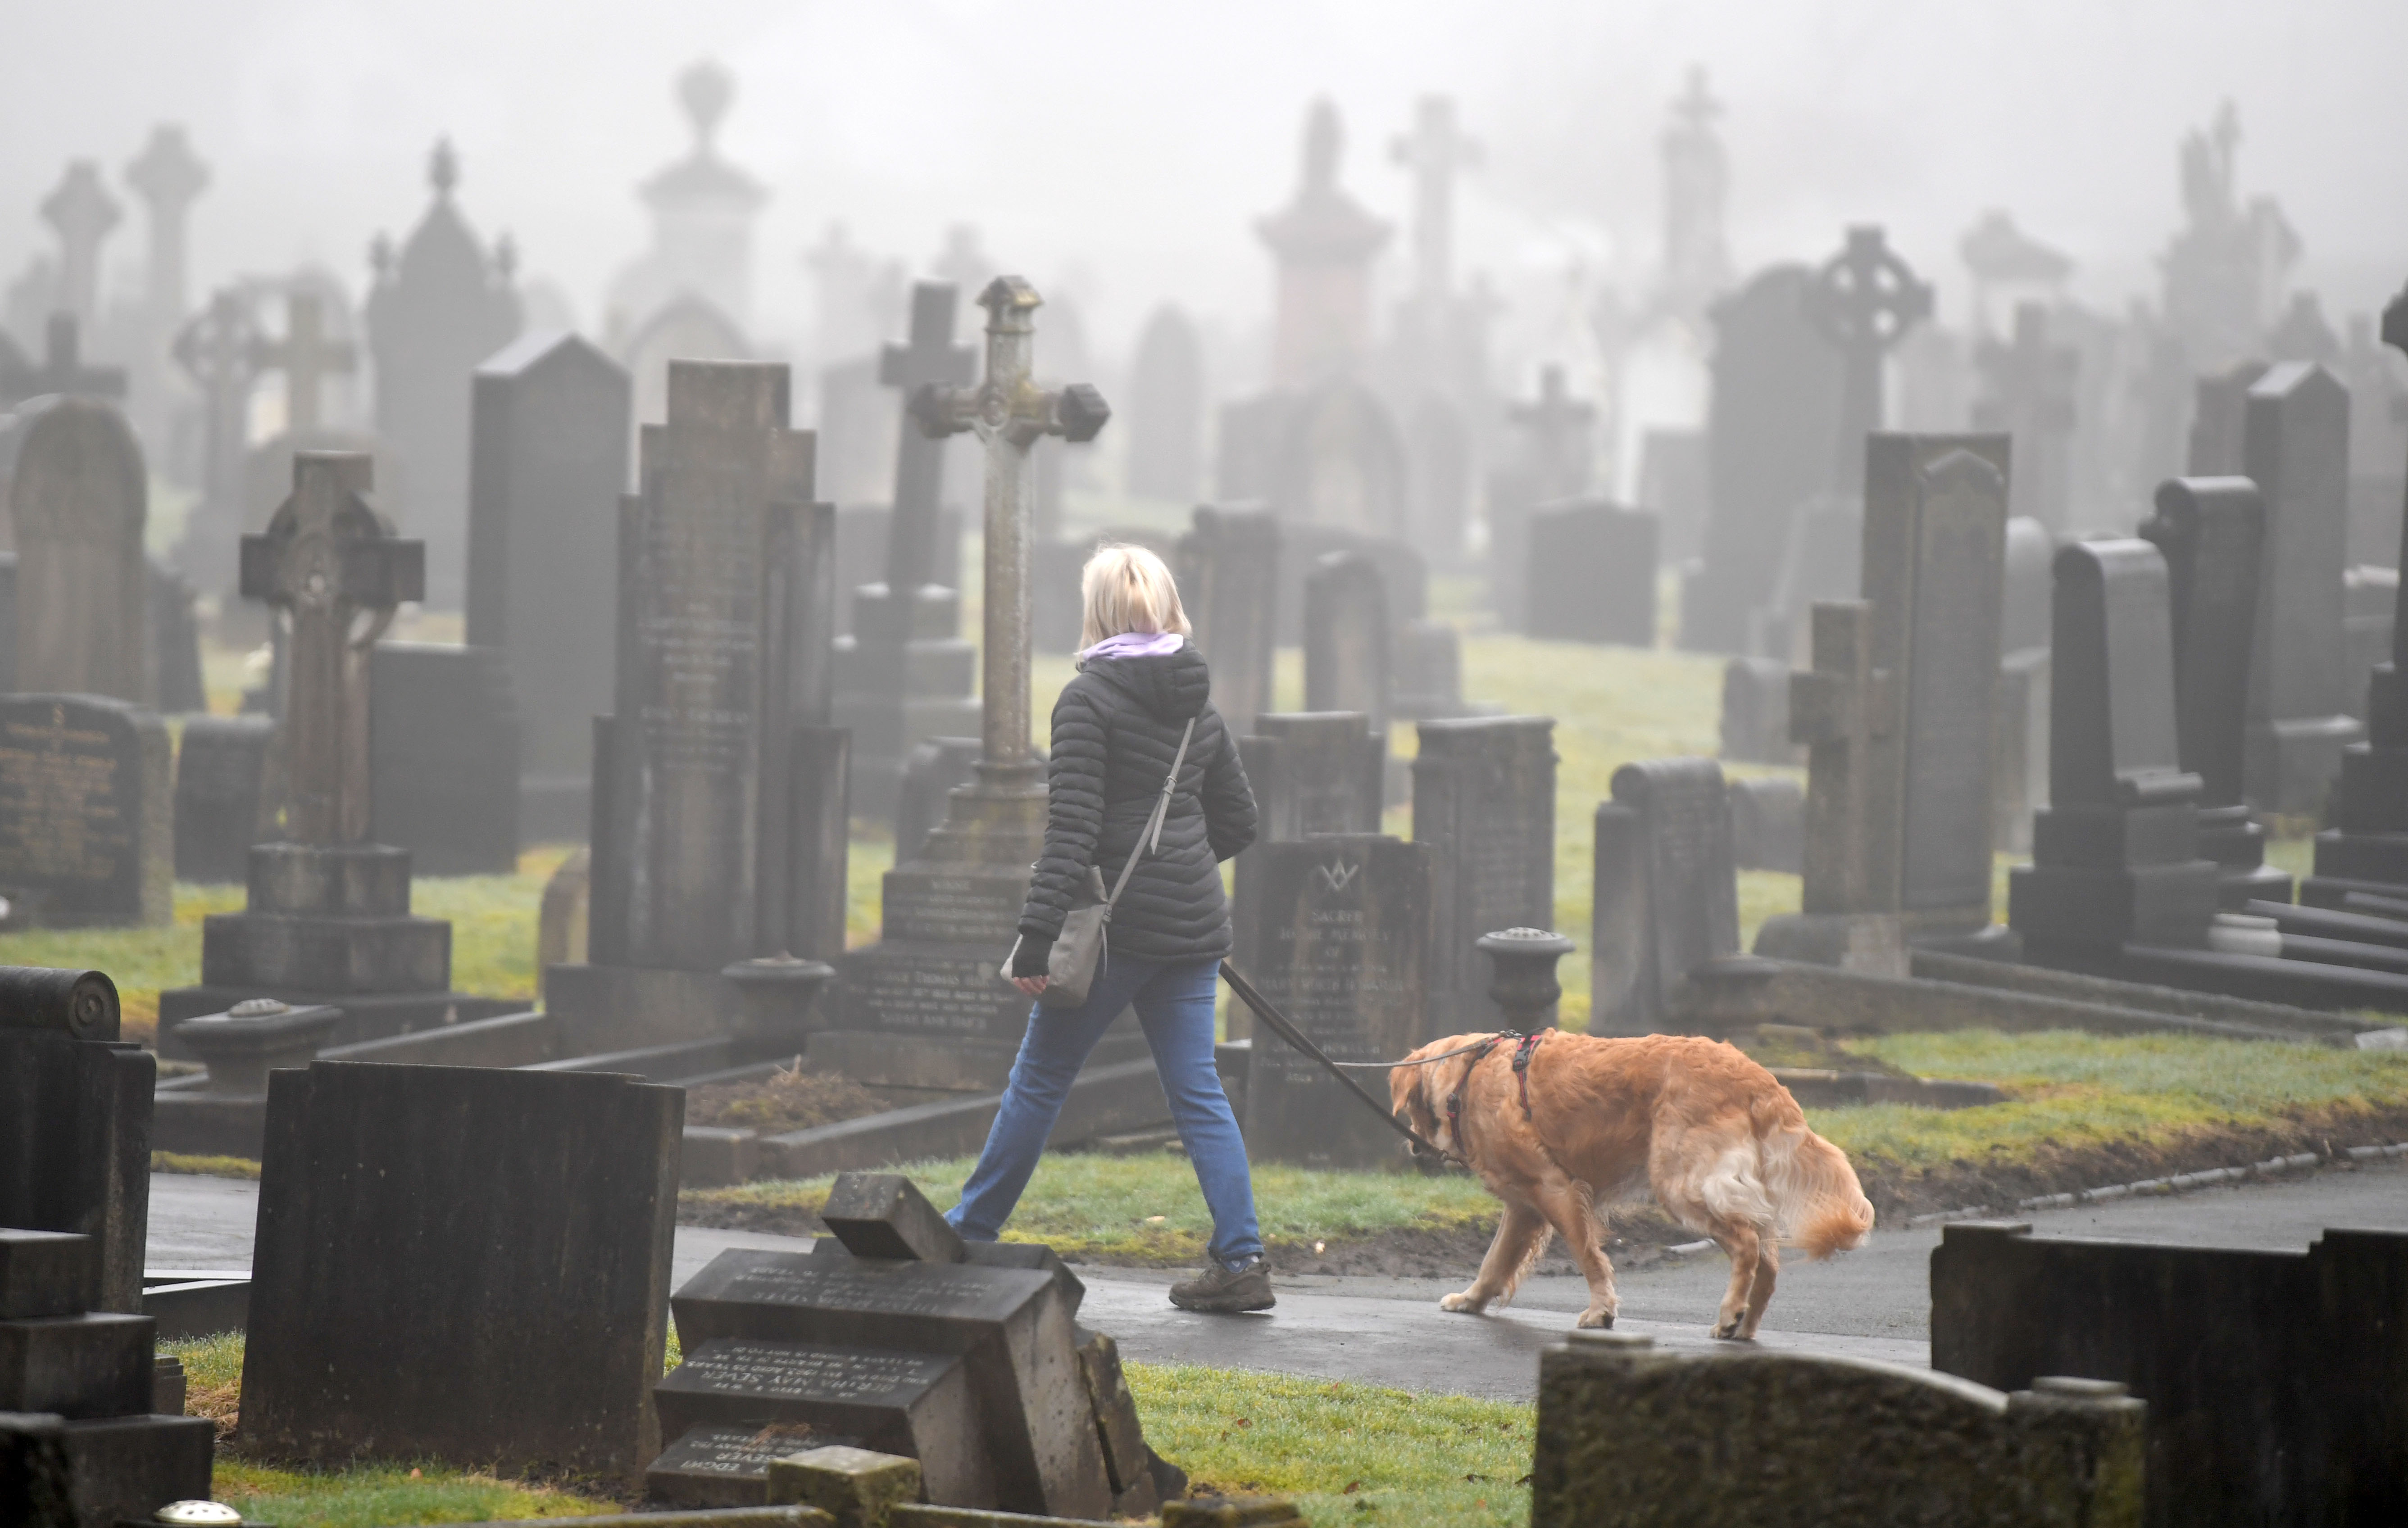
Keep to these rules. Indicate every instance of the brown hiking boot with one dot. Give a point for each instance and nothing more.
(1222, 1288)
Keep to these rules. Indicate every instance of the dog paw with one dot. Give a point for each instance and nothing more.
(1729, 1332)
(1464, 1303)
(1596, 1321)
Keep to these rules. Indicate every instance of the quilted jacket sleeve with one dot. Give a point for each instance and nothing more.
(1229, 801)
(1074, 812)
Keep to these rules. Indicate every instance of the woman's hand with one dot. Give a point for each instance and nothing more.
(1029, 986)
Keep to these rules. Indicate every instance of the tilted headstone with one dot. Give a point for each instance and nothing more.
(1346, 638)
(441, 306)
(1484, 803)
(467, 1265)
(2115, 855)
(223, 805)
(1667, 890)
(1630, 1435)
(86, 807)
(1592, 574)
(1339, 927)
(1228, 573)
(2274, 1378)
(2298, 454)
(1167, 409)
(2212, 533)
(547, 462)
(894, 1332)
(78, 501)
(1896, 712)
(445, 734)
(1774, 414)
(75, 1122)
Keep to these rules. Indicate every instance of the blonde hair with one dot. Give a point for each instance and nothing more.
(1127, 589)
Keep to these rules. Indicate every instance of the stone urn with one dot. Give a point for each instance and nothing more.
(1523, 982)
(775, 997)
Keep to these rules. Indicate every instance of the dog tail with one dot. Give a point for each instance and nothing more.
(1823, 1207)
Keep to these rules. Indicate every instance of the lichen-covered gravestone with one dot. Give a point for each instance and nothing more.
(1484, 803)
(1632, 1437)
(85, 807)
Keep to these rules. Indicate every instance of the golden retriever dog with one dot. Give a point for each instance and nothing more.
(1718, 1141)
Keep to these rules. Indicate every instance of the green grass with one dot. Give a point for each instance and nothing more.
(1348, 1453)
(2070, 1090)
(1104, 1208)
(378, 1495)
(178, 1162)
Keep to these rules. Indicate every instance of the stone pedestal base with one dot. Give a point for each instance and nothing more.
(2290, 762)
(1870, 944)
(366, 1016)
(2237, 844)
(2170, 905)
(605, 1008)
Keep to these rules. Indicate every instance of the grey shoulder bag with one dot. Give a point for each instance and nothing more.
(1078, 952)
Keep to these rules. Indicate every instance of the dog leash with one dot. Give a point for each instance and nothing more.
(1281, 1026)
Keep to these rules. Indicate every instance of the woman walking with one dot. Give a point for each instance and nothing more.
(1117, 729)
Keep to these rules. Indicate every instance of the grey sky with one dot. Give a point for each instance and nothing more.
(1125, 149)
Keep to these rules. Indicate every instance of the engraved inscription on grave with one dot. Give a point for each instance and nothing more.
(786, 1370)
(61, 813)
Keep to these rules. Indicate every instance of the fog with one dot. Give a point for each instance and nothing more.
(1120, 152)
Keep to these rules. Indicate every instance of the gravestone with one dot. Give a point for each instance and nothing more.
(896, 1333)
(216, 349)
(1592, 574)
(327, 921)
(1167, 409)
(1339, 926)
(546, 461)
(2023, 606)
(2115, 852)
(1753, 726)
(1629, 1434)
(369, 1328)
(2274, 1378)
(2211, 532)
(439, 307)
(173, 675)
(78, 503)
(931, 984)
(1896, 715)
(1768, 824)
(1311, 772)
(857, 431)
(1667, 890)
(1822, 558)
(62, 371)
(1228, 575)
(1346, 638)
(906, 675)
(75, 1122)
(862, 534)
(1864, 300)
(223, 805)
(1329, 453)
(2019, 735)
(2029, 386)
(2298, 454)
(1774, 411)
(444, 740)
(1428, 658)
(2219, 443)
(719, 791)
(86, 812)
(1553, 460)
(932, 770)
(1301, 547)
(1484, 803)
(1673, 488)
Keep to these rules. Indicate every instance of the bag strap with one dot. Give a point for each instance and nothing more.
(1154, 823)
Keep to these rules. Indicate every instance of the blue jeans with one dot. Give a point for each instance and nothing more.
(1174, 1003)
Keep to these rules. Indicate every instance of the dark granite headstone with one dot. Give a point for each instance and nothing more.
(1592, 575)
(1346, 638)
(2298, 454)
(462, 1264)
(1667, 890)
(2277, 1381)
(75, 1122)
(917, 1405)
(1228, 573)
(86, 810)
(444, 738)
(1311, 772)
(221, 808)
(548, 461)
(1338, 930)
(2115, 853)
(77, 504)
(727, 1464)
(2211, 532)
(1484, 803)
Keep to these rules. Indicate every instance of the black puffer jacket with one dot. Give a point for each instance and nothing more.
(1115, 731)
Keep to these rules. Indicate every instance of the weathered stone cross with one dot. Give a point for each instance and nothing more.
(1844, 709)
(930, 359)
(1435, 150)
(329, 562)
(62, 370)
(84, 213)
(1009, 413)
(1864, 299)
(1558, 425)
(306, 357)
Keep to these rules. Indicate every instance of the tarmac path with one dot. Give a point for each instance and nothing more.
(1868, 1304)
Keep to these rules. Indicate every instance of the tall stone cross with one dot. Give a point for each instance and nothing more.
(928, 359)
(1434, 152)
(167, 177)
(306, 357)
(1864, 299)
(2030, 383)
(328, 561)
(1844, 709)
(1558, 425)
(63, 370)
(218, 350)
(1009, 413)
(83, 212)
